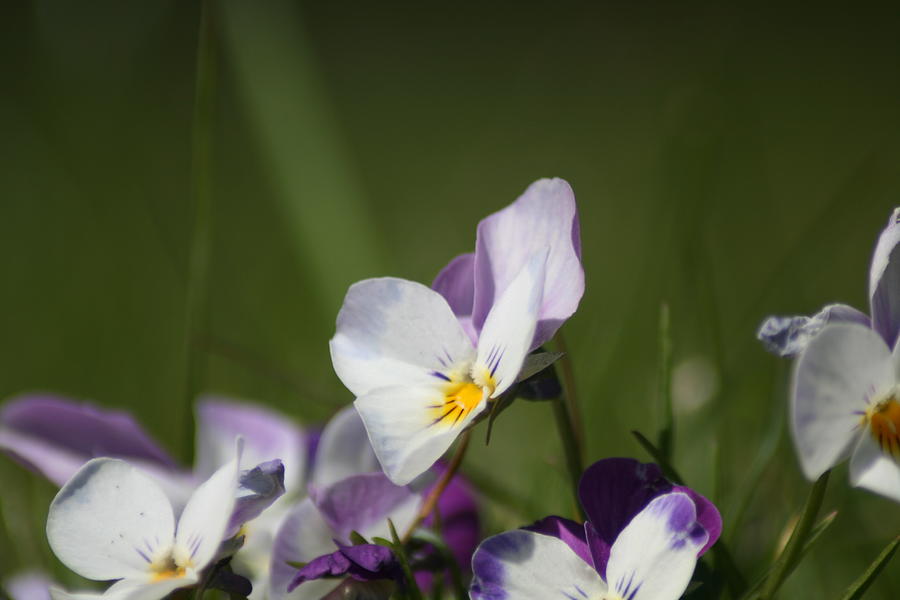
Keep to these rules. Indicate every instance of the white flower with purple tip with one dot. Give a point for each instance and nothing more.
(113, 522)
(424, 364)
(641, 542)
(788, 336)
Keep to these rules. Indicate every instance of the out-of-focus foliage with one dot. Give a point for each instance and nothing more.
(731, 162)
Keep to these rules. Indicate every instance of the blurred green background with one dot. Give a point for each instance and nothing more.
(731, 162)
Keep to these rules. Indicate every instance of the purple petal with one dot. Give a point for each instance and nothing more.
(788, 336)
(707, 515)
(543, 217)
(365, 562)
(267, 435)
(258, 488)
(52, 434)
(570, 532)
(456, 283)
(360, 501)
(884, 281)
(28, 586)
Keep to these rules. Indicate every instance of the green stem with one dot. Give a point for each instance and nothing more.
(576, 423)
(794, 547)
(569, 441)
(666, 439)
(201, 234)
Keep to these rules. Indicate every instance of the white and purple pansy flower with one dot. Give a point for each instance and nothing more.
(788, 336)
(641, 541)
(424, 363)
(845, 402)
(113, 522)
(55, 436)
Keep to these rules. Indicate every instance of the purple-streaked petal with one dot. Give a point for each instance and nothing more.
(365, 562)
(257, 489)
(787, 336)
(109, 520)
(884, 281)
(543, 217)
(833, 381)
(568, 531)
(344, 450)
(267, 435)
(524, 565)
(51, 434)
(707, 515)
(362, 503)
(456, 283)
(28, 586)
(655, 555)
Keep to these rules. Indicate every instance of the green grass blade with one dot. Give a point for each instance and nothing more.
(858, 588)
(666, 438)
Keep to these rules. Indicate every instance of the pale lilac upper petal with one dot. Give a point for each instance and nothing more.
(456, 283)
(343, 450)
(360, 503)
(52, 434)
(28, 586)
(787, 336)
(834, 378)
(884, 281)
(267, 435)
(543, 217)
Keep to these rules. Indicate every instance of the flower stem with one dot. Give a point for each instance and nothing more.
(794, 547)
(435, 494)
(570, 397)
(570, 448)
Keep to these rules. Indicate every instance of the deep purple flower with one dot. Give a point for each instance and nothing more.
(642, 539)
(364, 562)
(788, 336)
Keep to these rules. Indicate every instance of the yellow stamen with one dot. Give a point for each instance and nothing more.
(460, 398)
(883, 419)
(166, 567)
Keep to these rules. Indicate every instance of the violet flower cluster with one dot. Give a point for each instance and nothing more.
(370, 507)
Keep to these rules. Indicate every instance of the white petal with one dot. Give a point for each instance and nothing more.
(343, 450)
(521, 565)
(128, 589)
(60, 594)
(203, 523)
(834, 377)
(108, 520)
(509, 328)
(872, 469)
(303, 536)
(395, 332)
(655, 555)
(405, 431)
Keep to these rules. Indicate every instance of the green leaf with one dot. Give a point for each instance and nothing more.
(296, 563)
(356, 538)
(537, 362)
(430, 537)
(383, 542)
(817, 531)
(792, 553)
(858, 588)
(411, 588)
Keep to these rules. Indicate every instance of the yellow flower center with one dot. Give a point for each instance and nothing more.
(460, 398)
(168, 567)
(883, 419)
